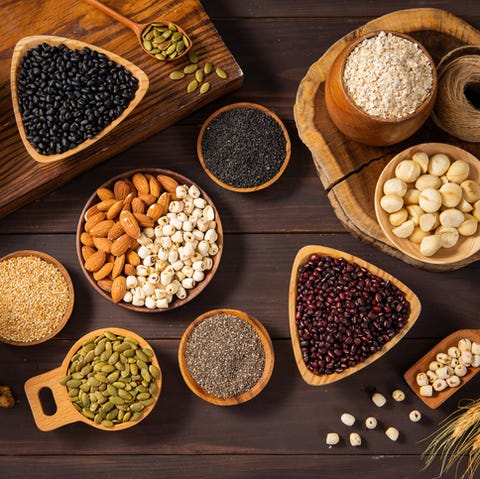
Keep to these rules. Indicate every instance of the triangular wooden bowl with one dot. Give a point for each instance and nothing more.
(422, 364)
(301, 258)
(65, 412)
(28, 43)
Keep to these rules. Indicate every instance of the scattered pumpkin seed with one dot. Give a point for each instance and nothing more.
(192, 57)
(208, 68)
(221, 73)
(204, 88)
(192, 86)
(199, 76)
(190, 68)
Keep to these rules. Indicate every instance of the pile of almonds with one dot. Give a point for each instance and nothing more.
(115, 223)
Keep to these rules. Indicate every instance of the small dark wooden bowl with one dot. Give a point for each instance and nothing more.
(71, 293)
(192, 293)
(232, 107)
(356, 124)
(264, 378)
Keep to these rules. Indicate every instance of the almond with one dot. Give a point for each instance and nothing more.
(154, 186)
(131, 257)
(87, 251)
(118, 265)
(93, 220)
(119, 288)
(129, 224)
(164, 201)
(114, 210)
(115, 231)
(121, 244)
(103, 244)
(105, 284)
(168, 183)
(86, 239)
(121, 189)
(148, 199)
(102, 228)
(131, 186)
(138, 206)
(129, 269)
(127, 202)
(95, 261)
(143, 220)
(140, 182)
(105, 204)
(105, 194)
(90, 212)
(103, 272)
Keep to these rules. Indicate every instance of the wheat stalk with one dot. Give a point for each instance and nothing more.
(457, 437)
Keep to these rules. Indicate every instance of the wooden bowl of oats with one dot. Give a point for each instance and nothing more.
(381, 88)
(37, 297)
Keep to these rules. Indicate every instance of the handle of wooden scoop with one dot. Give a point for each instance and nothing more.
(65, 412)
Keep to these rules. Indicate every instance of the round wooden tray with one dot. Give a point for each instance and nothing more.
(65, 412)
(27, 43)
(301, 258)
(349, 170)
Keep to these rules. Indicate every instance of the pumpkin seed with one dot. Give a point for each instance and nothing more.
(199, 76)
(176, 37)
(177, 75)
(221, 73)
(192, 86)
(154, 371)
(192, 56)
(204, 88)
(186, 42)
(208, 68)
(190, 68)
(107, 423)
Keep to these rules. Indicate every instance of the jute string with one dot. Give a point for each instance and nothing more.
(453, 112)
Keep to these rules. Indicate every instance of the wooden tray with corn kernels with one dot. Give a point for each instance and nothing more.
(349, 170)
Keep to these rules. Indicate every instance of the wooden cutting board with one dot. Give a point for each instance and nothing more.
(349, 170)
(21, 178)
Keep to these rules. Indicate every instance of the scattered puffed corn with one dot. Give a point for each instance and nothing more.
(332, 439)
(370, 422)
(398, 395)
(347, 419)
(355, 439)
(392, 433)
(379, 400)
(415, 416)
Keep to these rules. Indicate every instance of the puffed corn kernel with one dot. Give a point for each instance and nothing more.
(332, 439)
(392, 433)
(370, 422)
(355, 439)
(398, 395)
(379, 399)
(347, 419)
(415, 416)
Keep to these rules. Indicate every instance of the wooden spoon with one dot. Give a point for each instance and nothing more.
(139, 28)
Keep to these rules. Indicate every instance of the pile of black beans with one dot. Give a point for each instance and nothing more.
(344, 313)
(67, 96)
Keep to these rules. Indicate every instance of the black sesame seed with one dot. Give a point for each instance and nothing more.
(59, 100)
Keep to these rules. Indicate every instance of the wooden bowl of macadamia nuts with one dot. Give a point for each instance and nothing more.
(427, 202)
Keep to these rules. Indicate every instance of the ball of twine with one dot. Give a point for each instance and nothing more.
(453, 112)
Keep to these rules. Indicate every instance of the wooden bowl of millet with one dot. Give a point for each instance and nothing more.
(244, 147)
(377, 125)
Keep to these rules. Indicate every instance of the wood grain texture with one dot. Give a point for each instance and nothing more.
(343, 163)
(22, 179)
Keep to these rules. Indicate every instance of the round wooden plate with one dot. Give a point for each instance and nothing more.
(264, 378)
(466, 246)
(301, 258)
(71, 293)
(28, 43)
(421, 365)
(233, 106)
(65, 412)
(192, 293)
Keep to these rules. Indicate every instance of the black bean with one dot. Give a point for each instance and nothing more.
(56, 84)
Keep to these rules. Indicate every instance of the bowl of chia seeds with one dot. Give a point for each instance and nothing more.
(381, 88)
(68, 94)
(226, 357)
(244, 147)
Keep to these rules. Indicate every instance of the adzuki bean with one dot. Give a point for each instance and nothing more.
(344, 313)
(68, 96)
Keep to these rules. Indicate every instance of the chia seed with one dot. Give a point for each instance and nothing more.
(68, 96)
(225, 356)
(244, 147)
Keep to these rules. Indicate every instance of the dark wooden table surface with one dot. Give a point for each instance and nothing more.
(280, 433)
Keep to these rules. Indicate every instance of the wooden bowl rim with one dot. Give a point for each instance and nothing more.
(385, 121)
(30, 42)
(119, 332)
(444, 256)
(422, 366)
(192, 293)
(255, 106)
(300, 259)
(71, 292)
(268, 352)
